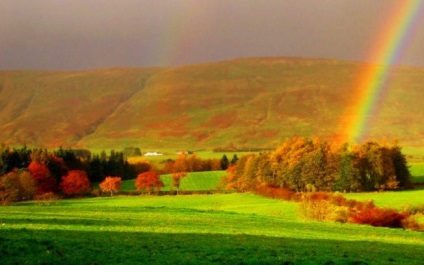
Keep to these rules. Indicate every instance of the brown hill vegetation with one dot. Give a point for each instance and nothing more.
(246, 102)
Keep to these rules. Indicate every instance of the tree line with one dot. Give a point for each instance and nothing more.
(28, 173)
(303, 164)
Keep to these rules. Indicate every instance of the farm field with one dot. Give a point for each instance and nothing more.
(195, 229)
(417, 172)
(390, 199)
(194, 181)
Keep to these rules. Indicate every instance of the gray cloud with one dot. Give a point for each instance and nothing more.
(81, 34)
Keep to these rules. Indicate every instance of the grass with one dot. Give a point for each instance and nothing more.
(214, 229)
(417, 172)
(390, 199)
(195, 181)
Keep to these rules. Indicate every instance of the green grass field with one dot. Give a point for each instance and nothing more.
(195, 181)
(417, 172)
(195, 229)
(390, 199)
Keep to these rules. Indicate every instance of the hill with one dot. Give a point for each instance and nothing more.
(246, 103)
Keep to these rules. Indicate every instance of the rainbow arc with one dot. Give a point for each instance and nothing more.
(373, 81)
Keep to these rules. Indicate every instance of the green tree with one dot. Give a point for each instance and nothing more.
(224, 162)
(234, 159)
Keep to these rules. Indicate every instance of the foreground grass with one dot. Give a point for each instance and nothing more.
(214, 229)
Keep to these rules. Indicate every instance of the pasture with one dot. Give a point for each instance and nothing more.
(417, 172)
(194, 181)
(195, 229)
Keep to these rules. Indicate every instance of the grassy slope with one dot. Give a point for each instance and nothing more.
(49, 109)
(214, 229)
(247, 102)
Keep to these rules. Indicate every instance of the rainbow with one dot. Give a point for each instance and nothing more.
(373, 80)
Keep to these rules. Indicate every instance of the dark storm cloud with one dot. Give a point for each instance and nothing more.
(80, 34)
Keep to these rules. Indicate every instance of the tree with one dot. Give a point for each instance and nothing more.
(176, 179)
(111, 184)
(149, 181)
(224, 162)
(75, 183)
(41, 174)
(234, 159)
(17, 185)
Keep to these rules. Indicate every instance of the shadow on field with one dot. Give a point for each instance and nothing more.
(26, 246)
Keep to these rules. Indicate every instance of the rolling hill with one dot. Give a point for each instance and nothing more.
(254, 102)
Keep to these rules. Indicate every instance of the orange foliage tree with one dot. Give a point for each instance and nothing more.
(111, 184)
(176, 179)
(75, 183)
(45, 182)
(149, 181)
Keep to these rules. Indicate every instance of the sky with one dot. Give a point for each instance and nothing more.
(87, 34)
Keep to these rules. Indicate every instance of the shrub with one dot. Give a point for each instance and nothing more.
(8, 194)
(95, 193)
(379, 217)
(47, 198)
(414, 209)
(410, 222)
(315, 209)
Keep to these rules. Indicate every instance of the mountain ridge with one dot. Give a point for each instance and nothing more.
(248, 102)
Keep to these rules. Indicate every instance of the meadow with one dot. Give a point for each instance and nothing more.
(417, 172)
(194, 181)
(237, 228)
(194, 229)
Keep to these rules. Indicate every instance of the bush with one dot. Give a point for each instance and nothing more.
(315, 209)
(47, 198)
(379, 217)
(410, 222)
(414, 209)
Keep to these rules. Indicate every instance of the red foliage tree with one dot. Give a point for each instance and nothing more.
(149, 181)
(75, 183)
(45, 182)
(111, 184)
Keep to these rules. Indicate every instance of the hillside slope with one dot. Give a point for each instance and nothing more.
(247, 102)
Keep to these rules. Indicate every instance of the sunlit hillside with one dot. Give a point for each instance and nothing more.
(247, 103)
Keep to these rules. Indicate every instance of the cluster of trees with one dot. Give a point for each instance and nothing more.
(192, 163)
(26, 173)
(303, 164)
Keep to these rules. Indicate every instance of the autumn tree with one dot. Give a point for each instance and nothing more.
(176, 180)
(43, 178)
(111, 184)
(75, 183)
(17, 185)
(149, 181)
(303, 164)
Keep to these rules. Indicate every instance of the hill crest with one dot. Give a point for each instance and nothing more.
(254, 102)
